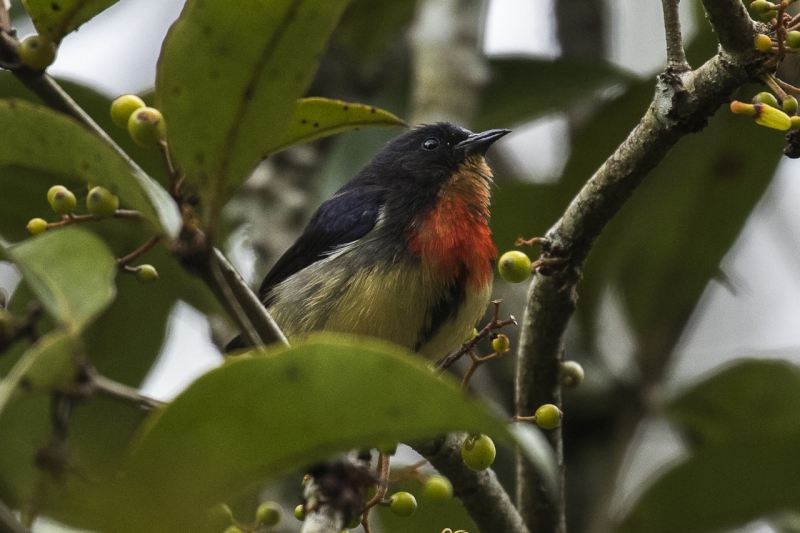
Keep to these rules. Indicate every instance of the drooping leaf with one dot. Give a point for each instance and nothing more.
(522, 89)
(57, 18)
(47, 141)
(70, 271)
(315, 118)
(265, 415)
(759, 397)
(228, 80)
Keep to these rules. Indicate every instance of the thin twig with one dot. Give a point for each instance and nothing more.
(494, 324)
(121, 391)
(68, 220)
(676, 56)
(139, 252)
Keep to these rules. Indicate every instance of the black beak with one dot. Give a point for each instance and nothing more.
(478, 143)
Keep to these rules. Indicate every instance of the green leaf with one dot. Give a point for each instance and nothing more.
(722, 487)
(758, 397)
(70, 271)
(57, 18)
(523, 89)
(47, 363)
(227, 83)
(47, 141)
(269, 414)
(315, 118)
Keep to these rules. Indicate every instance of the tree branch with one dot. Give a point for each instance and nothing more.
(732, 24)
(676, 56)
(483, 497)
(682, 104)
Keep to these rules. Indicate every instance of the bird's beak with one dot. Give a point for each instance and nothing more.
(478, 143)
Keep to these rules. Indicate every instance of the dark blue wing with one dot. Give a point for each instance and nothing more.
(346, 217)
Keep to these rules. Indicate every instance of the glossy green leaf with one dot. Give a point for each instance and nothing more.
(47, 141)
(57, 18)
(722, 487)
(522, 89)
(228, 80)
(266, 415)
(47, 363)
(70, 271)
(315, 118)
(759, 397)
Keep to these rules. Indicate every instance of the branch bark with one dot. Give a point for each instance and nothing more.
(676, 55)
(682, 104)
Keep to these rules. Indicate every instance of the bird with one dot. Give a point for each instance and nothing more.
(403, 252)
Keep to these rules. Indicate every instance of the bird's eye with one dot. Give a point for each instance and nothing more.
(430, 144)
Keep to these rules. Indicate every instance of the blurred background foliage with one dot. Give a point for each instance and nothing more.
(731, 443)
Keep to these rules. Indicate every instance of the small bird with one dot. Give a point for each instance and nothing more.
(403, 252)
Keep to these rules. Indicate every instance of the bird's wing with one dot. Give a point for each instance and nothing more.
(345, 218)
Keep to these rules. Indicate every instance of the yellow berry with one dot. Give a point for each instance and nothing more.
(61, 200)
(514, 266)
(500, 344)
(548, 416)
(101, 202)
(763, 43)
(478, 452)
(795, 123)
(37, 226)
(471, 334)
(146, 126)
(268, 513)
(146, 273)
(37, 52)
(300, 512)
(123, 107)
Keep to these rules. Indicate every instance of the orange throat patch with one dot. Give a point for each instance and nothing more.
(453, 238)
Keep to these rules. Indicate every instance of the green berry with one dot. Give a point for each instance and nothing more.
(233, 529)
(220, 516)
(548, 416)
(766, 98)
(37, 52)
(6, 321)
(763, 43)
(146, 273)
(268, 513)
(123, 107)
(514, 266)
(402, 504)
(437, 488)
(471, 334)
(146, 126)
(62, 200)
(789, 105)
(354, 523)
(760, 6)
(37, 226)
(792, 39)
(101, 202)
(500, 344)
(795, 125)
(300, 512)
(570, 374)
(478, 452)
(768, 16)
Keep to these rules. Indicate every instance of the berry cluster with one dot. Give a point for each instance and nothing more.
(145, 125)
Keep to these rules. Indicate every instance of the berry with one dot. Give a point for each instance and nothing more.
(220, 516)
(101, 202)
(6, 320)
(123, 107)
(354, 523)
(763, 43)
(500, 344)
(437, 488)
(570, 374)
(760, 6)
(37, 52)
(268, 514)
(233, 529)
(795, 123)
(471, 334)
(37, 226)
(768, 16)
(300, 512)
(548, 416)
(478, 452)
(792, 39)
(146, 273)
(61, 200)
(146, 126)
(514, 266)
(402, 504)
(766, 98)
(789, 104)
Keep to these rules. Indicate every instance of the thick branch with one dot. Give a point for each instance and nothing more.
(682, 104)
(483, 497)
(676, 56)
(732, 24)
